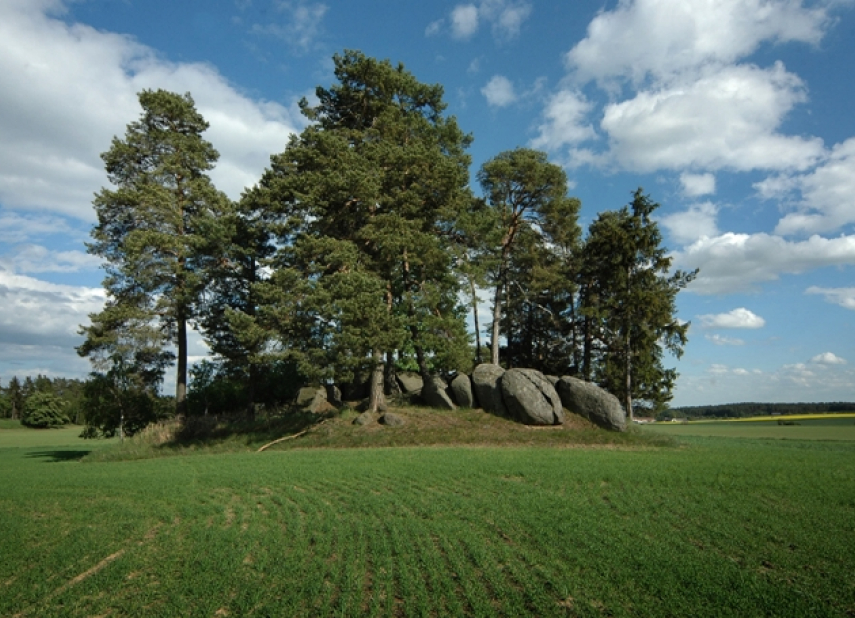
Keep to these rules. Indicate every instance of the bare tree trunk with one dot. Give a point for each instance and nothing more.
(376, 398)
(628, 369)
(181, 377)
(494, 333)
(475, 319)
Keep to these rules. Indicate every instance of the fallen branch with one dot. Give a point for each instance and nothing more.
(296, 435)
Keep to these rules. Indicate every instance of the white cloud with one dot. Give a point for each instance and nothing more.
(434, 27)
(828, 358)
(724, 119)
(695, 185)
(845, 297)
(662, 38)
(738, 318)
(44, 314)
(720, 340)
(464, 21)
(499, 91)
(565, 122)
(690, 225)
(302, 23)
(828, 193)
(38, 259)
(66, 90)
(732, 263)
(506, 18)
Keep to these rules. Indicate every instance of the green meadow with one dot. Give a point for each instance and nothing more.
(802, 427)
(708, 526)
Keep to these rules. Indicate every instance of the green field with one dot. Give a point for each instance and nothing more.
(712, 527)
(808, 427)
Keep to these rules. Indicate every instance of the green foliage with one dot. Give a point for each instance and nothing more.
(529, 254)
(158, 233)
(220, 388)
(629, 300)
(363, 203)
(44, 409)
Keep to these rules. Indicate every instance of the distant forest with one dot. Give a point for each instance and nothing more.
(739, 410)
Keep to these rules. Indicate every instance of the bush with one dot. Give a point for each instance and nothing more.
(43, 410)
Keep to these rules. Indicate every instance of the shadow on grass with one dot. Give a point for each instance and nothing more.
(57, 456)
(200, 430)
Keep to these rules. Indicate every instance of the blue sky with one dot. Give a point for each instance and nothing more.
(735, 115)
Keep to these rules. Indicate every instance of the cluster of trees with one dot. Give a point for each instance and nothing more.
(42, 402)
(350, 258)
(739, 410)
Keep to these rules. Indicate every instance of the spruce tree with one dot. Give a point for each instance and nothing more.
(629, 300)
(157, 232)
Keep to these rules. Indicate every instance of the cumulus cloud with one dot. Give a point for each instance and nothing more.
(32, 259)
(695, 185)
(733, 263)
(727, 118)
(36, 312)
(505, 17)
(565, 121)
(499, 91)
(67, 89)
(827, 193)
(662, 38)
(738, 318)
(828, 358)
(845, 297)
(699, 221)
(464, 21)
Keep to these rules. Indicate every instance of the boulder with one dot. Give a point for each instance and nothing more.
(392, 420)
(488, 390)
(366, 418)
(312, 399)
(334, 395)
(411, 383)
(461, 390)
(435, 394)
(553, 380)
(592, 402)
(530, 398)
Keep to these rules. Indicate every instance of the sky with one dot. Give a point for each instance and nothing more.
(736, 116)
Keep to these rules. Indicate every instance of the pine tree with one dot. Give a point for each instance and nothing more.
(629, 300)
(367, 198)
(157, 231)
(532, 211)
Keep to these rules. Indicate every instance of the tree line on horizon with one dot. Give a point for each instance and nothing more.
(362, 251)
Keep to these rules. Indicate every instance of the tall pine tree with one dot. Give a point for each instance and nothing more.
(158, 231)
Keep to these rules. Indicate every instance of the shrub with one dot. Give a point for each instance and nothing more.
(44, 409)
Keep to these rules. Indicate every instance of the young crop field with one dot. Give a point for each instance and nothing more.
(794, 427)
(710, 527)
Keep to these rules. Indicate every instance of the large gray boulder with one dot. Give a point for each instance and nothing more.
(461, 390)
(411, 383)
(392, 420)
(530, 398)
(592, 402)
(312, 399)
(488, 389)
(435, 394)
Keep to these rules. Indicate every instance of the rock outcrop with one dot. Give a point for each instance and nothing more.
(461, 390)
(531, 398)
(392, 420)
(435, 394)
(488, 389)
(312, 399)
(592, 402)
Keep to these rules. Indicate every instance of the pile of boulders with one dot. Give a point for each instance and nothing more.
(525, 395)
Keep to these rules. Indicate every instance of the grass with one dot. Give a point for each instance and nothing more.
(806, 427)
(714, 527)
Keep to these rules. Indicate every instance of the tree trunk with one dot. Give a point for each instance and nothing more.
(494, 333)
(628, 369)
(376, 398)
(181, 377)
(475, 320)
